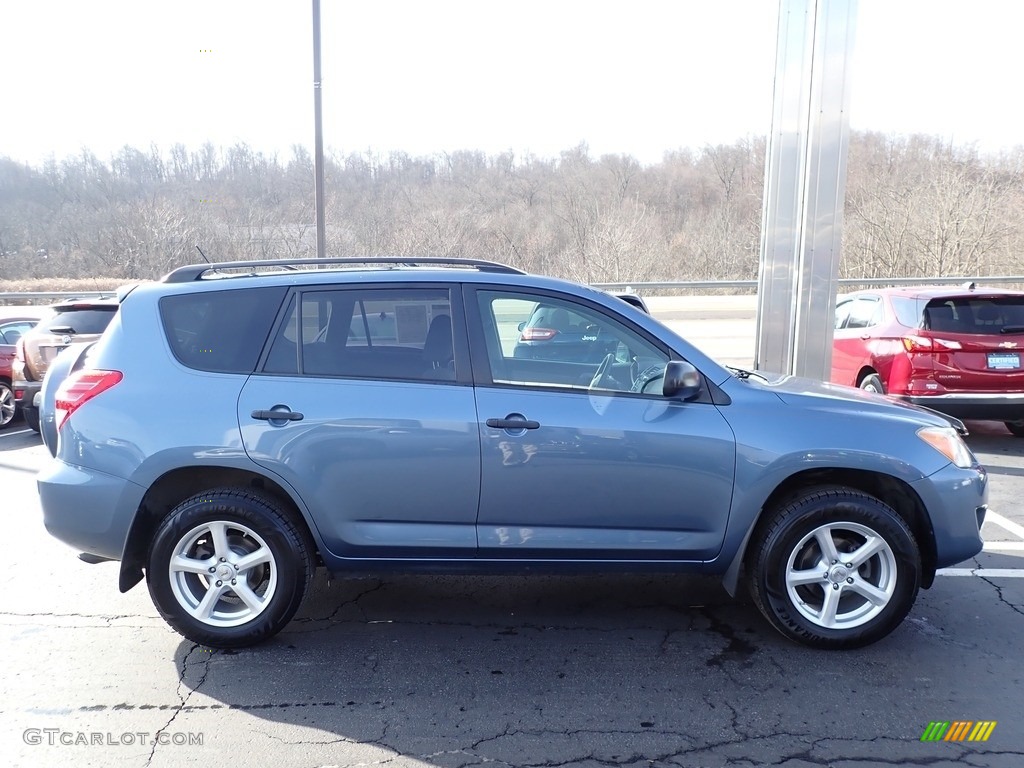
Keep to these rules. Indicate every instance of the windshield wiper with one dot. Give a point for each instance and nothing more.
(742, 373)
(1012, 329)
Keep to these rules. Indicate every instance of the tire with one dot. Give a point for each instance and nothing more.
(228, 617)
(7, 407)
(1016, 428)
(820, 602)
(31, 417)
(872, 383)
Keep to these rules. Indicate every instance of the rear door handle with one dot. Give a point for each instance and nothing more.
(273, 415)
(513, 423)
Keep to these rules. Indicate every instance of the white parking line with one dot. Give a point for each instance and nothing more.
(994, 546)
(988, 573)
(1014, 528)
(1004, 546)
(12, 434)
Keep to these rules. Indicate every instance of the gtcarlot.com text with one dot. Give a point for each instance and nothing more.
(53, 737)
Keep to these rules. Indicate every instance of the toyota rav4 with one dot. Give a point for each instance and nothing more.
(375, 415)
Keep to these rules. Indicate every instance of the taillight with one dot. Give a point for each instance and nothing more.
(925, 344)
(537, 334)
(78, 389)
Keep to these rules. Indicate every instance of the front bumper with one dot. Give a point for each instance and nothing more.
(956, 500)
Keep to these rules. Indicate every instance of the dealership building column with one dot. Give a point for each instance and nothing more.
(805, 180)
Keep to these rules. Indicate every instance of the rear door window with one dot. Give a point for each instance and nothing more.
(381, 333)
(865, 312)
(11, 332)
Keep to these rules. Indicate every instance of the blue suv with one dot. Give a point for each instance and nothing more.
(375, 415)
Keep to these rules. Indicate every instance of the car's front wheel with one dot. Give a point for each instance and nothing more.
(228, 568)
(835, 568)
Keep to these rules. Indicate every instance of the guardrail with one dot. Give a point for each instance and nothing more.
(641, 286)
(34, 297)
(866, 282)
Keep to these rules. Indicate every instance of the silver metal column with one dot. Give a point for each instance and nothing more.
(805, 181)
(318, 139)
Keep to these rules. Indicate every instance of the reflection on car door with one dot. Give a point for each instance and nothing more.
(571, 471)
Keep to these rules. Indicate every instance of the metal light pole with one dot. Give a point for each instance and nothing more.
(318, 149)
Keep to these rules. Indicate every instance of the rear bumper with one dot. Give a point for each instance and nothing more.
(999, 407)
(88, 510)
(25, 392)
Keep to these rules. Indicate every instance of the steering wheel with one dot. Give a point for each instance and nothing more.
(602, 378)
(646, 380)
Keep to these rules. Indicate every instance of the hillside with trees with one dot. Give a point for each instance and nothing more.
(915, 207)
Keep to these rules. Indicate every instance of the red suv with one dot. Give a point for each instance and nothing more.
(955, 349)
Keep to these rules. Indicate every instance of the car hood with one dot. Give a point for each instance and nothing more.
(836, 398)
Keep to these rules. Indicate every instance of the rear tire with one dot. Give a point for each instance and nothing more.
(872, 383)
(7, 407)
(1016, 428)
(229, 568)
(835, 568)
(31, 417)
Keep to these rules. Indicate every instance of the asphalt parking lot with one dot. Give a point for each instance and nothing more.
(534, 671)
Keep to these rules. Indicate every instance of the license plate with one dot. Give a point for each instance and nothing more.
(48, 353)
(1001, 361)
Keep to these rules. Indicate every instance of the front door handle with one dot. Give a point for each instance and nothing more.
(273, 415)
(513, 422)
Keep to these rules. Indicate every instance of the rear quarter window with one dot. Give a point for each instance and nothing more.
(907, 311)
(220, 331)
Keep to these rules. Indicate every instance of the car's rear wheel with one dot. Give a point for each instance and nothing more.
(1016, 428)
(228, 568)
(835, 568)
(7, 406)
(872, 383)
(31, 417)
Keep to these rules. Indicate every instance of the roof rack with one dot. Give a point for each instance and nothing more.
(197, 271)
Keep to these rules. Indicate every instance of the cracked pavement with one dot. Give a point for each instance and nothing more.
(633, 670)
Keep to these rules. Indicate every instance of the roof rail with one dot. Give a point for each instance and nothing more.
(192, 272)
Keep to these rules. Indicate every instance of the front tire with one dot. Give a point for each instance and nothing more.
(835, 568)
(228, 568)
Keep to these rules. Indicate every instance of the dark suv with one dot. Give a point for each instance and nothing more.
(374, 416)
(71, 321)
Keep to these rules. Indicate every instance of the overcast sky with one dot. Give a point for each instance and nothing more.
(533, 76)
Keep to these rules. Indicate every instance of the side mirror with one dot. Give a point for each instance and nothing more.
(682, 381)
(521, 326)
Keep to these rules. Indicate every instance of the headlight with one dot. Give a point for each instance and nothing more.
(946, 441)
